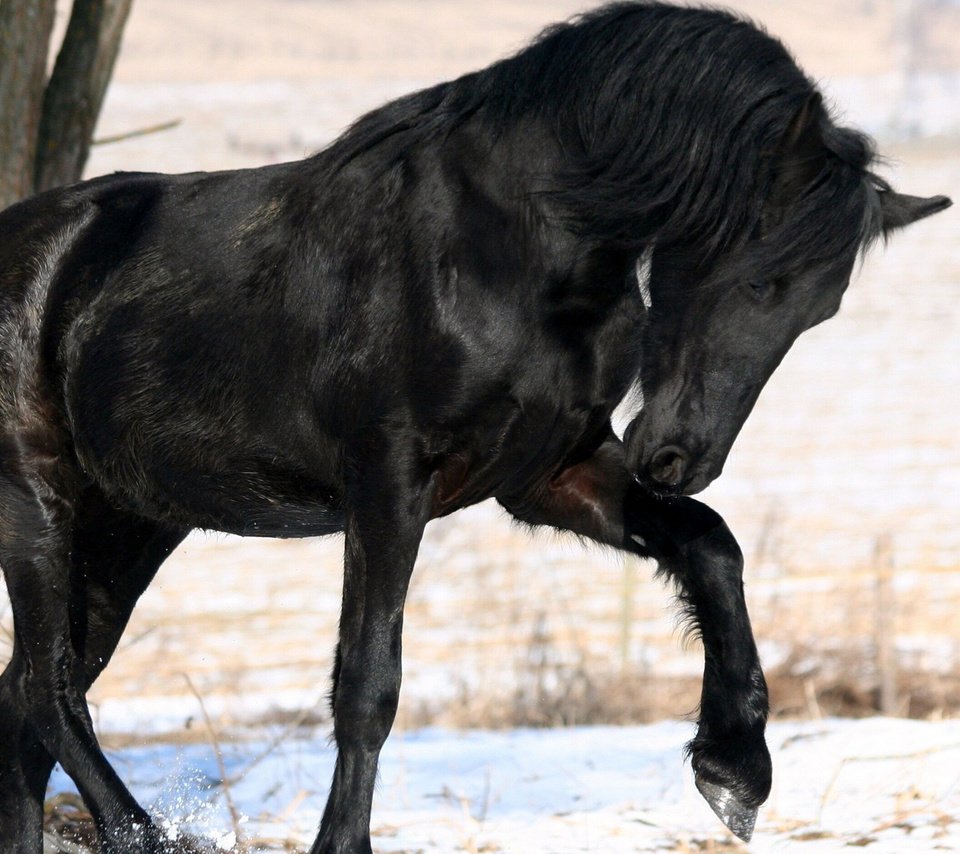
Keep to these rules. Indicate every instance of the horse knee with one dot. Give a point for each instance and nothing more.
(367, 675)
(702, 529)
(719, 554)
(364, 713)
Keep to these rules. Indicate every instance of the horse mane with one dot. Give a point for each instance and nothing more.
(668, 119)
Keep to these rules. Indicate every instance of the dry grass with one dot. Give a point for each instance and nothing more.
(67, 823)
(578, 696)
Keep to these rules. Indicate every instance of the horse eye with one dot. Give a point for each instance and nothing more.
(761, 288)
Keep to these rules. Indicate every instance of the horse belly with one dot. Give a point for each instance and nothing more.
(258, 501)
(197, 487)
(192, 437)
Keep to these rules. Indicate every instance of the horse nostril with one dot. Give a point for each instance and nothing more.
(668, 465)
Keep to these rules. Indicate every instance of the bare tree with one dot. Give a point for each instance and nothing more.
(47, 123)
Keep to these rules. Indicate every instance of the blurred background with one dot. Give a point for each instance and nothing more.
(844, 487)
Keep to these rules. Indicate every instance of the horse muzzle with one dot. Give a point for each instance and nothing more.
(671, 468)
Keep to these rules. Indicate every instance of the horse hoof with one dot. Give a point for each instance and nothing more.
(733, 812)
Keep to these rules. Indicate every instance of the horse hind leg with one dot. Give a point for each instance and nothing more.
(115, 556)
(56, 610)
(24, 770)
(26, 516)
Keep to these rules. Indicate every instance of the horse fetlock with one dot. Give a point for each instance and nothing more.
(364, 714)
(716, 556)
(734, 775)
(735, 696)
(742, 765)
(139, 834)
(339, 842)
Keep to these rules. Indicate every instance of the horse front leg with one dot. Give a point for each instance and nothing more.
(694, 547)
(384, 524)
(597, 498)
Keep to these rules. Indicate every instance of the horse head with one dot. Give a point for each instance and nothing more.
(719, 324)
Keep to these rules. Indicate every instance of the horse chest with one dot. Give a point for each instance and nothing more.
(531, 438)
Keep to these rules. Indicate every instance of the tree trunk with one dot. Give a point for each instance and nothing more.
(76, 89)
(25, 27)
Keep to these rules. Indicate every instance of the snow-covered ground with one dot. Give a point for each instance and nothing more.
(888, 785)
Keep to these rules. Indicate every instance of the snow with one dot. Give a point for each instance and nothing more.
(892, 785)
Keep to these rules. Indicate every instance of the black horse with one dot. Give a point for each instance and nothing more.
(445, 305)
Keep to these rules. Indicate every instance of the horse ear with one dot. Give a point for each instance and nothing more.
(803, 139)
(899, 210)
(800, 153)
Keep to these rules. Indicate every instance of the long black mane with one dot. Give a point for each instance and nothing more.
(668, 119)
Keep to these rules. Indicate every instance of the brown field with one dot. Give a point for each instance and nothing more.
(844, 487)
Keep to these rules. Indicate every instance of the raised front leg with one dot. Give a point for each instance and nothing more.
(388, 509)
(598, 499)
(729, 756)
